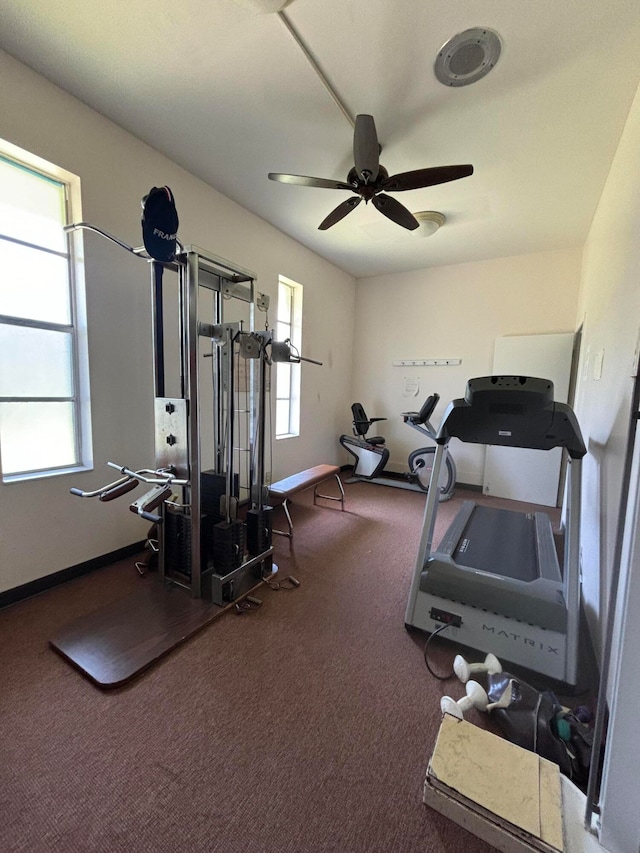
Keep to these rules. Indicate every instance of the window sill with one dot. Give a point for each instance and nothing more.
(42, 475)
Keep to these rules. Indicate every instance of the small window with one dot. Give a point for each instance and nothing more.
(44, 409)
(289, 327)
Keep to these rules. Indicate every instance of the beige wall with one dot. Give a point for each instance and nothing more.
(42, 528)
(451, 312)
(609, 306)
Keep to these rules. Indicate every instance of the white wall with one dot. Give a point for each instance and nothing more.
(451, 312)
(610, 305)
(42, 528)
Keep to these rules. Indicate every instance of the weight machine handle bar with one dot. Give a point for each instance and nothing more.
(152, 500)
(149, 516)
(156, 478)
(75, 226)
(118, 491)
(110, 491)
(139, 251)
(296, 359)
(125, 484)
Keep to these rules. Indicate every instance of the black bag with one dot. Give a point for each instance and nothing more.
(538, 722)
(160, 224)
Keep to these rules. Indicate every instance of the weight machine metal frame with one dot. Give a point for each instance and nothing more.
(198, 268)
(112, 645)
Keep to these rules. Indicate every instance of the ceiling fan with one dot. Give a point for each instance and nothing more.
(371, 181)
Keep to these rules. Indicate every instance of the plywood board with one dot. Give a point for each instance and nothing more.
(550, 804)
(489, 771)
(481, 823)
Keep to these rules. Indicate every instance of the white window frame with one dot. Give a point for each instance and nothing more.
(77, 327)
(290, 328)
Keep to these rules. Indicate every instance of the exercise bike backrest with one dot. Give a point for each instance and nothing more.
(420, 420)
(361, 424)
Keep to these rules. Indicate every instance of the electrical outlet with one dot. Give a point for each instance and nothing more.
(444, 617)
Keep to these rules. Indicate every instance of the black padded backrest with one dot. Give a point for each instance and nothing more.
(512, 411)
(427, 408)
(361, 422)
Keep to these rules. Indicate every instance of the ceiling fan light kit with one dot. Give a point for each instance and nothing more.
(429, 221)
(468, 56)
(370, 181)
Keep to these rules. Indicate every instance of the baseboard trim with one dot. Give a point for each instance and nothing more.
(394, 475)
(26, 590)
(470, 487)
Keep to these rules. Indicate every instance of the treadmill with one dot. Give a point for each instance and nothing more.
(495, 578)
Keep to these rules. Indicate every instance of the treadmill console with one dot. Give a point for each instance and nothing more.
(512, 411)
(520, 394)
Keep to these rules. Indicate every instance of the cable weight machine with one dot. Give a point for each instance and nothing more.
(206, 494)
(203, 543)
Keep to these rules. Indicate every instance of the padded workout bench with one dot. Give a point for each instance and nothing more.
(281, 491)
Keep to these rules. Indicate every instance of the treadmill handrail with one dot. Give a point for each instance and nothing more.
(512, 411)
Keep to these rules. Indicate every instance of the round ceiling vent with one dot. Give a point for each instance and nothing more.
(467, 57)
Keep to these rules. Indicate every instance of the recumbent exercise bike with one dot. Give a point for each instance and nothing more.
(371, 455)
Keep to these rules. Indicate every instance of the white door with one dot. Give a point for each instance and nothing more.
(513, 472)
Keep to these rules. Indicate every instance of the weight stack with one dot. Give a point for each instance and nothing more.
(259, 530)
(228, 546)
(177, 544)
(212, 488)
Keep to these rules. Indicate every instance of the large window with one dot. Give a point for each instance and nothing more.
(289, 327)
(44, 417)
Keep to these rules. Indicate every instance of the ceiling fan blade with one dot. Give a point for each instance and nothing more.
(395, 211)
(420, 178)
(366, 150)
(305, 181)
(340, 212)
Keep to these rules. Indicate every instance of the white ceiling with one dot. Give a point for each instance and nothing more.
(229, 95)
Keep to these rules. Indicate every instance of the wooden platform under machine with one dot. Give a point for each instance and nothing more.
(114, 644)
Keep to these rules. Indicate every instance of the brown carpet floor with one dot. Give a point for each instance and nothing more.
(306, 725)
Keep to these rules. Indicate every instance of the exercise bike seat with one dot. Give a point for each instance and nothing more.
(361, 424)
(425, 412)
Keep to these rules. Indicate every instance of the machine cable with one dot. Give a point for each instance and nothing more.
(287, 583)
(440, 677)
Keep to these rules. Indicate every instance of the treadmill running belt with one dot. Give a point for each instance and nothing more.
(499, 541)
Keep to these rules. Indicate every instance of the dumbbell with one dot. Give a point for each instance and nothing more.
(464, 670)
(476, 698)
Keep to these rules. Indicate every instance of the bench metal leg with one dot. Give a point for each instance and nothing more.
(316, 494)
(289, 533)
